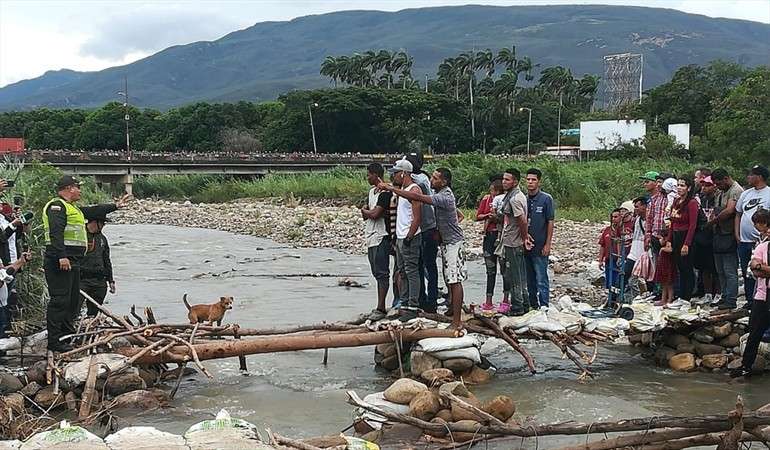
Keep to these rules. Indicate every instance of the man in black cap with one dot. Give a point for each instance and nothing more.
(66, 242)
(96, 266)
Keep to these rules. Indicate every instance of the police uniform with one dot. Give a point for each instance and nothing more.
(96, 269)
(65, 237)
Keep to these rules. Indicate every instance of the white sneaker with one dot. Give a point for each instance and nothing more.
(717, 299)
(708, 298)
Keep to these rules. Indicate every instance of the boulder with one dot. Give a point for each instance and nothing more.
(31, 389)
(458, 365)
(707, 349)
(424, 405)
(387, 349)
(390, 362)
(673, 340)
(646, 338)
(714, 361)
(464, 437)
(477, 375)
(730, 341)
(9, 383)
(683, 362)
(663, 354)
(124, 382)
(736, 363)
(455, 387)
(403, 391)
(461, 413)
(148, 376)
(73, 403)
(14, 401)
(702, 336)
(47, 399)
(421, 361)
(685, 348)
(444, 414)
(439, 433)
(120, 342)
(36, 372)
(144, 400)
(437, 376)
(501, 407)
(720, 331)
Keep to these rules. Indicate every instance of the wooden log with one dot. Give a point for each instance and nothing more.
(499, 332)
(644, 437)
(88, 392)
(696, 441)
(285, 343)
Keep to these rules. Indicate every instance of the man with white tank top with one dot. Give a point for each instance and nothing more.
(408, 239)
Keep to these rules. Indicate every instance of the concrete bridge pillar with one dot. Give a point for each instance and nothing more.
(108, 181)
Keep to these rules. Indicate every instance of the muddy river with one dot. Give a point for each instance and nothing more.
(296, 395)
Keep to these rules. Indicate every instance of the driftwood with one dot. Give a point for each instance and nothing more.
(499, 332)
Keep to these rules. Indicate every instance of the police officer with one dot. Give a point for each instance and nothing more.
(66, 243)
(96, 267)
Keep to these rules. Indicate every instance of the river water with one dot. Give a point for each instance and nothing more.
(295, 395)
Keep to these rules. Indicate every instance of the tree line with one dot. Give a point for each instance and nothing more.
(476, 101)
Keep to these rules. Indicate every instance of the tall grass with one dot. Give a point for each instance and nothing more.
(582, 190)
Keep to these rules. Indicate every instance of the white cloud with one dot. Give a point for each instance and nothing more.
(41, 35)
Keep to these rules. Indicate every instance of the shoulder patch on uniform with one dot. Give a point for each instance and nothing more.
(55, 208)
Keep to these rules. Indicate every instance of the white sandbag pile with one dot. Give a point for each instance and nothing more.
(144, 438)
(66, 437)
(224, 433)
(456, 354)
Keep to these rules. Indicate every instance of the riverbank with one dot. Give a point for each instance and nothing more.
(337, 225)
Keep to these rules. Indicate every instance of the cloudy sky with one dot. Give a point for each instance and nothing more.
(36, 36)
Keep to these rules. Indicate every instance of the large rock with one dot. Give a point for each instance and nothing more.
(47, 399)
(445, 414)
(14, 401)
(421, 361)
(144, 400)
(501, 407)
(477, 375)
(403, 391)
(437, 376)
(673, 340)
(720, 331)
(390, 362)
(460, 412)
(708, 349)
(455, 387)
(714, 361)
(31, 389)
(441, 432)
(683, 362)
(730, 341)
(464, 437)
(702, 336)
(663, 354)
(73, 403)
(9, 383)
(124, 382)
(424, 405)
(685, 348)
(458, 365)
(387, 349)
(36, 372)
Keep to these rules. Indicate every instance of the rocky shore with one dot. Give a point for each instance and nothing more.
(332, 224)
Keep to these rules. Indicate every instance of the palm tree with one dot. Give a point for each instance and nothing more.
(506, 89)
(556, 81)
(449, 74)
(330, 67)
(485, 61)
(507, 57)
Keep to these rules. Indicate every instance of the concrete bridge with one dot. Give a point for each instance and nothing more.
(118, 169)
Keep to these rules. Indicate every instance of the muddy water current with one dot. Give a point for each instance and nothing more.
(296, 395)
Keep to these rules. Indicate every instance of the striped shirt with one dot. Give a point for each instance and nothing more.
(656, 212)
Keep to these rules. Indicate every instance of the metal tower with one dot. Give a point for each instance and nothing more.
(622, 79)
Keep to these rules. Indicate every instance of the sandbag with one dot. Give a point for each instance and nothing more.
(431, 345)
(141, 438)
(378, 399)
(10, 445)
(75, 373)
(65, 437)
(224, 433)
(404, 390)
(471, 353)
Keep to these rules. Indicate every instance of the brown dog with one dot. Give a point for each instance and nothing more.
(211, 313)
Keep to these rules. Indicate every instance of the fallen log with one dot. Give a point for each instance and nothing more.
(633, 440)
(499, 332)
(282, 343)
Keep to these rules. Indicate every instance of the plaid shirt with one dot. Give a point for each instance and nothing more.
(656, 211)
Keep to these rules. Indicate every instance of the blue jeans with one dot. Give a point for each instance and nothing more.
(744, 256)
(429, 271)
(537, 280)
(727, 270)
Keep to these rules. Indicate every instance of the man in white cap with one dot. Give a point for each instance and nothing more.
(408, 238)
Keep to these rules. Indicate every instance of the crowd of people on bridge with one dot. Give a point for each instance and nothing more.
(685, 238)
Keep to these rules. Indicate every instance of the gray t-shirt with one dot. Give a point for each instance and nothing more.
(446, 216)
(722, 198)
(514, 206)
(428, 219)
(750, 201)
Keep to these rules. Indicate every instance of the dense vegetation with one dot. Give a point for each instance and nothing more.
(260, 62)
(727, 105)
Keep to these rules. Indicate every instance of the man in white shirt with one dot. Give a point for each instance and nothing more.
(377, 237)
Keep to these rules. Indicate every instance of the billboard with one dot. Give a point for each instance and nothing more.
(680, 132)
(606, 134)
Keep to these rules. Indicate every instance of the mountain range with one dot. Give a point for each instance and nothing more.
(260, 62)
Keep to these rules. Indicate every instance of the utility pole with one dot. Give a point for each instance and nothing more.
(558, 127)
(473, 122)
(312, 127)
(129, 182)
(529, 127)
(426, 83)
